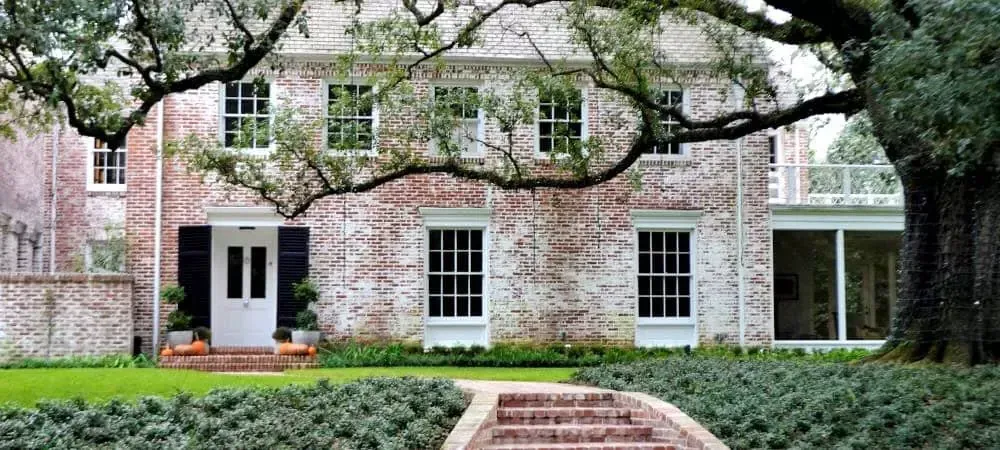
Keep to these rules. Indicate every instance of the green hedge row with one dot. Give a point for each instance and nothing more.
(374, 413)
(81, 362)
(517, 355)
(797, 404)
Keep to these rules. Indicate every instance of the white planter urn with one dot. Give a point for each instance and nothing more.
(175, 338)
(310, 338)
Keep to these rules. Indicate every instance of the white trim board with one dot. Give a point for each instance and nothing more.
(665, 218)
(455, 217)
(871, 219)
(243, 216)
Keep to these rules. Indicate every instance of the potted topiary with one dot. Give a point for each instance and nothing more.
(306, 322)
(281, 335)
(202, 337)
(178, 322)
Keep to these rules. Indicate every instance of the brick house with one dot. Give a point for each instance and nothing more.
(727, 241)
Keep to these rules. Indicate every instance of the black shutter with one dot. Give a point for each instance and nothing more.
(293, 266)
(194, 272)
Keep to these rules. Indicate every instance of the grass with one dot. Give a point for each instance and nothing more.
(25, 387)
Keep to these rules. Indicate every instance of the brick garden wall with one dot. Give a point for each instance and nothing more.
(43, 316)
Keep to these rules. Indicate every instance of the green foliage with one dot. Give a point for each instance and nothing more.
(178, 320)
(798, 404)
(306, 320)
(202, 334)
(940, 83)
(172, 295)
(374, 413)
(282, 334)
(306, 292)
(81, 362)
(353, 354)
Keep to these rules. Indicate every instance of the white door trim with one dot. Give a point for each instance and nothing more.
(251, 324)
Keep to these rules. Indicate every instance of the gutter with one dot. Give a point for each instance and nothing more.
(54, 198)
(157, 227)
(740, 283)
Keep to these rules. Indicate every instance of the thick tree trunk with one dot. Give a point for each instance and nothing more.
(950, 269)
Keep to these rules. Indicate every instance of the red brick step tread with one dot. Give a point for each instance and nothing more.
(533, 434)
(554, 415)
(584, 446)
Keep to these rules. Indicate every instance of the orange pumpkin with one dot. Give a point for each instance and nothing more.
(285, 348)
(312, 351)
(300, 349)
(167, 352)
(199, 347)
(184, 350)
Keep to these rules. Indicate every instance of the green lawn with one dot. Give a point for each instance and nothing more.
(27, 386)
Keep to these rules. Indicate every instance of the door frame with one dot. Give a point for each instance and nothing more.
(226, 236)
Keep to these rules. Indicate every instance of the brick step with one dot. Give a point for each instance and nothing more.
(555, 416)
(241, 350)
(585, 446)
(239, 359)
(238, 367)
(588, 400)
(543, 434)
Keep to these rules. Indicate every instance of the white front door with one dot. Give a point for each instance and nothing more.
(244, 285)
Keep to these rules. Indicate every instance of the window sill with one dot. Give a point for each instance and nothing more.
(107, 190)
(464, 159)
(455, 321)
(665, 321)
(665, 161)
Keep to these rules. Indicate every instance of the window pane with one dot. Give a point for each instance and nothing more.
(462, 306)
(644, 282)
(232, 89)
(463, 239)
(434, 261)
(684, 243)
(476, 306)
(657, 310)
(434, 284)
(258, 272)
(684, 307)
(870, 261)
(658, 262)
(449, 307)
(805, 296)
(476, 264)
(463, 261)
(435, 240)
(232, 106)
(476, 285)
(644, 262)
(670, 307)
(449, 239)
(657, 242)
(644, 308)
(476, 239)
(656, 286)
(434, 306)
(234, 272)
(643, 241)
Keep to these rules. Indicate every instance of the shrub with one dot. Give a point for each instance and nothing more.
(82, 362)
(353, 354)
(804, 404)
(177, 320)
(282, 334)
(203, 334)
(307, 293)
(375, 413)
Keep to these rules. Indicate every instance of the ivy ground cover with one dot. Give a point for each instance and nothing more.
(373, 413)
(803, 404)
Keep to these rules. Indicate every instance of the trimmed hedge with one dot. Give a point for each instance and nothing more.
(353, 354)
(374, 413)
(81, 362)
(756, 404)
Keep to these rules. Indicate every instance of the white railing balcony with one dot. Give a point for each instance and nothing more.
(835, 185)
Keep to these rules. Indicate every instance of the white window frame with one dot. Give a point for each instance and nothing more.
(776, 135)
(456, 219)
(271, 98)
(685, 221)
(91, 144)
(371, 152)
(684, 146)
(480, 117)
(584, 122)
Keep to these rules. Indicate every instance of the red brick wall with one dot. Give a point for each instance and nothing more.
(559, 261)
(58, 315)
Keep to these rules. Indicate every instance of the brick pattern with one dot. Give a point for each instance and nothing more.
(48, 316)
(605, 420)
(239, 359)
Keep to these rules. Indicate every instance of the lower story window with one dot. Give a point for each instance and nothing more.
(455, 273)
(664, 274)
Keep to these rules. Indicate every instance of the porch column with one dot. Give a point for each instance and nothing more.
(841, 289)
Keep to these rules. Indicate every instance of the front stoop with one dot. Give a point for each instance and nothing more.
(582, 421)
(239, 359)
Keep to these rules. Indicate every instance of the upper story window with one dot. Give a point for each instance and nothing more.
(664, 274)
(669, 98)
(246, 115)
(463, 106)
(772, 149)
(351, 117)
(106, 169)
(560, 120)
